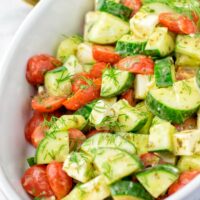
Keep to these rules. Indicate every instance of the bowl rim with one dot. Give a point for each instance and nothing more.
(6, 188)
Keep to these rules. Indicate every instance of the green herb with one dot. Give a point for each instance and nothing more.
(31, 161)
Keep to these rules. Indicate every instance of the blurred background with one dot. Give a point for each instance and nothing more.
(12, 13)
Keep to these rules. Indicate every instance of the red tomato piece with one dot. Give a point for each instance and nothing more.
(38, 65)
(83, 96)
(105, 54)
(35, 182)
(59, 180)
(183, 180)
(150, 159)
(35, 120)
(137, 64)
(76, 138)
(135, 5)
(188, 124)
(129, 96)
(98, 69)
(177, 23)
(94, 132)
(43, 103)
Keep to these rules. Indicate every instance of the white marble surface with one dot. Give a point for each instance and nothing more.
(12, 13)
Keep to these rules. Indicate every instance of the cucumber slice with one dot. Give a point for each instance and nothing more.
(127, 190)
(188, 45)
(187, 142)
(68, 47)
(188, 163)
(115, 81)
(84, 53)
(87, 67)
(79, 166)
(168, 157)
(114, 8)
(115, 163)
(198, 78)
(175, 103)
(130, 45)
(143, 24)
(143, 83)
(129, 118)
(160, 43)
(157, 180)
(54, 147)
(198, 119)
(107, 140)
(57, 82)
(104, 28)
(183, 60)
(73, 66)
(140, 141)
(66, 122)
(94, 189)
(164, 71)
(161, 133)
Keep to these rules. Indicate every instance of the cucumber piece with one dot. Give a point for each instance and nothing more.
(66, 122)
(183, 60)
(73, 66)
(115, 81)
(127, 190)
(97, 2)
(157, 180)
(160, 43)
(164, 71)
(115, 163)
(176, 103)
(54, 147)
(186, 142)
(79, 166)
(198, 119)
(161, 133)
(84, 53)
(87, 67)
(107, 140)
(188, 45)
(168, 157)
(102, 115)
(94, 189)
(68, 47)
(57, 82)
(189, 163)
(129, 118)
(104, 28)
(140, 141)
(130, 45)
(198, 78)
(143, 24)
(114, 8)
(143, 83)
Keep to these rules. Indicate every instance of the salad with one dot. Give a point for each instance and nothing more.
(116, 111)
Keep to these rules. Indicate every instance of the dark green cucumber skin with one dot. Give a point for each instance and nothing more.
(167, 113)
(198, 78)
(113, 8)
(154, 53)
(140, 125)
(162, 71)
(129, 49)
(128, 188)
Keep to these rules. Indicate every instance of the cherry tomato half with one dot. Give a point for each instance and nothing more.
(59, 181)
(137, 64)
(188, 124)
(94, 132)
(38, 65)
(129, 96)
(177, 23)
(98, 69)
(150, 159)
(105, 54)
(35, 182)
(135, 5)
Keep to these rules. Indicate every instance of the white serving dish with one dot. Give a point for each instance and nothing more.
(40, 33)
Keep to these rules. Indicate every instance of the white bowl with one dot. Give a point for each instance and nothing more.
(40, 33)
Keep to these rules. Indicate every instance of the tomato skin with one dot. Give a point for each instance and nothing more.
(94, 132)
(135, 5)
(98, 69)
(59, 181)
(76, 138)
(38, 65)
(188, 124)
(47, 104)
(129, 96)
(150, 159)
(183, 180)
(83, 96)
(35, 182)
(105, 54)
(177, 23)
(35, 120)
(137, 64)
